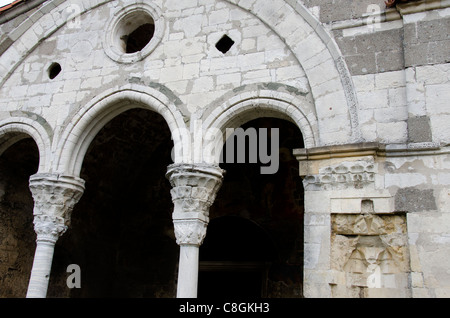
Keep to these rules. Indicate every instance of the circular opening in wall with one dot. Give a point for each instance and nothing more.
(134, 31)
(54, 70)
(139, 38)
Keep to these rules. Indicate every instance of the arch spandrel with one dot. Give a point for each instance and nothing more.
(320, 57)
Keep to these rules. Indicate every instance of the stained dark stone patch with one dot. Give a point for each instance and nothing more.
(415, 200)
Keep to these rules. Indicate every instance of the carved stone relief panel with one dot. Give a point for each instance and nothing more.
(346, 175)
(369, 255)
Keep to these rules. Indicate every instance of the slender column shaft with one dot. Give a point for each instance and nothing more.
(194, 189)
(48, 229)
(40, 274)
(188, 271)
(190, 232)
(54, 198)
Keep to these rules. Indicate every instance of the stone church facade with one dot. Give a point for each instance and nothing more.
(113, 116)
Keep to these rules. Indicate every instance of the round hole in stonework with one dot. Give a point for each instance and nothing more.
(54, 70)
(134, 31)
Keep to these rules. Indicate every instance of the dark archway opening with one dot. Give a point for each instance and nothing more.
(17, 236)
(121, 234)
(273, 203)
(235, 259)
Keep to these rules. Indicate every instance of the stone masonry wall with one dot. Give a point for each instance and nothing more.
(186, 63)
(380, 209)
(389, 67)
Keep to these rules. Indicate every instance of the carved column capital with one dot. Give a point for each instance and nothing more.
(190, 231)
(194, 186)
(48, 228)
(194, 189)
(54, 199)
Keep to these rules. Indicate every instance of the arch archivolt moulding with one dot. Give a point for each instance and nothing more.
(24, 126)
(252, 104)
(84, 125)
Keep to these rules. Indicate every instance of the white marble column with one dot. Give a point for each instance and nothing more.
(189, 254)
(194, 190)
(54, 199)
(48, 230)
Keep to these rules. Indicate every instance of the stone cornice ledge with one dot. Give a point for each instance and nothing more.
(337, 151)
(370, 149)
(390, 14)
(421, 6)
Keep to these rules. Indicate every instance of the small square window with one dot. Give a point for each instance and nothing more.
(224, 44)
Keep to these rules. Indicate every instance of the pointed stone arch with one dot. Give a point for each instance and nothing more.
(90, 119)
(16, 128)
(254, 103)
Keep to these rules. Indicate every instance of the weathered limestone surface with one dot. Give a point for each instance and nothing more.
(369, 254)
(368, 86)
(371, 237)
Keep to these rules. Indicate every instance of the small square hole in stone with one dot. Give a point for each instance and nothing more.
(224, 44)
